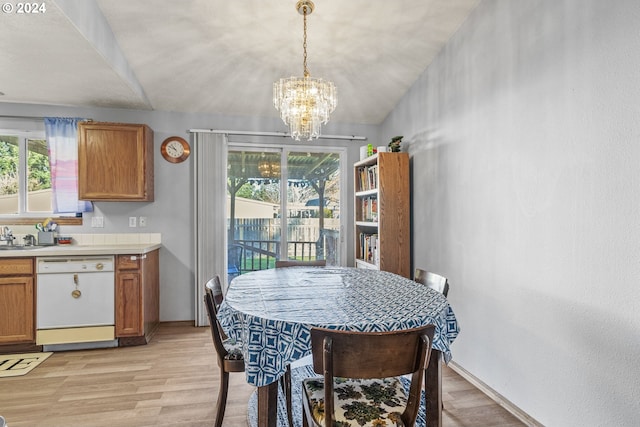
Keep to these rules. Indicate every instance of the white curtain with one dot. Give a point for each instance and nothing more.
(62, 143)
(210, 198)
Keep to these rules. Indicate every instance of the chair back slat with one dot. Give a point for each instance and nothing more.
(215, 286)
(212, 311)
(370, 354)
(432, 280)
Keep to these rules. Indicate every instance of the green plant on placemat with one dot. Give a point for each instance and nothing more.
(394, 145)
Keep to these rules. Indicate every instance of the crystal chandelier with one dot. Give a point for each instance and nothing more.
(269, 169)
(304, 102)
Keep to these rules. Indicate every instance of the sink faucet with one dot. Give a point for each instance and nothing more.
(7, 235)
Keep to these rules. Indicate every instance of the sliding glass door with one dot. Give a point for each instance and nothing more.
(282, 203)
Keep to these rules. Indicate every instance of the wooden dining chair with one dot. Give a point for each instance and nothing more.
(360, 383)
(432, 280)
(437, 283)
(229, 353)
(298, 263)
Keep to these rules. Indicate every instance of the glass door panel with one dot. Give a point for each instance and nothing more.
(253, 210)
(313, 207)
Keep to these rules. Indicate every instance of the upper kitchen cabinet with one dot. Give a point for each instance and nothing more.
(115, 162)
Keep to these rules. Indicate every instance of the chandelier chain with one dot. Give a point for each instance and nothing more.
(304, 42)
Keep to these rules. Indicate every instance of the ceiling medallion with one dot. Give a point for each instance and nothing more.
(304, 102)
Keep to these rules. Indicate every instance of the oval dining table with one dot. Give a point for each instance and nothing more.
(272, 312)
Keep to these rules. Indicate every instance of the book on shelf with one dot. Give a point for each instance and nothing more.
(369, 248)
(367, 178)
(373, 213)
(369, 209)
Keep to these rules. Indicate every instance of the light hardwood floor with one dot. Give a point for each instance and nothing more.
(172, 381)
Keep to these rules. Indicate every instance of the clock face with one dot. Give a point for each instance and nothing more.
(175, 149)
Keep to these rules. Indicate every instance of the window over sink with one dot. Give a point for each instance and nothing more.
(25, 176)
(26, 192)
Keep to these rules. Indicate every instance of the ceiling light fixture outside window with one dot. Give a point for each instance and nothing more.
(305, 103)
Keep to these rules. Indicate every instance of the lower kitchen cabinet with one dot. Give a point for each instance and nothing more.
(137, 298)
(17, 304)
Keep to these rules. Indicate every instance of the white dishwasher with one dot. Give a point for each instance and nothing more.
(75, 302)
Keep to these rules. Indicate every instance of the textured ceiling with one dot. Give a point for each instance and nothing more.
(221, 56)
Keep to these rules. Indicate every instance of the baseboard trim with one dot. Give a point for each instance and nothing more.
(179, 322)
(495, 396)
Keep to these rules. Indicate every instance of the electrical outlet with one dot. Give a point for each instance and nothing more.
(97, 222)
(132, 221)
(142, 221)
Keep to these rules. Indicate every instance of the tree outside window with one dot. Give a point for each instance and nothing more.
(25, 177)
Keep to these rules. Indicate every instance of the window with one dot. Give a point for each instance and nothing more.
(25, 177)
(284, 203)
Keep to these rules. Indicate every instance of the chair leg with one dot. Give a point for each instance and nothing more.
(426, 396)
(425, 393)
(287, 376)
(222, 398)
(285, 382)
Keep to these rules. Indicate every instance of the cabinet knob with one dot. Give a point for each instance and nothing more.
(99, 266)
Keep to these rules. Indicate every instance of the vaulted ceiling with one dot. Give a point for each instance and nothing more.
(220, 56)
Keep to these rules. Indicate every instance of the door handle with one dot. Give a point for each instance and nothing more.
(76, 292)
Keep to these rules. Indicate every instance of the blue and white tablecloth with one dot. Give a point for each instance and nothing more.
(272, 312)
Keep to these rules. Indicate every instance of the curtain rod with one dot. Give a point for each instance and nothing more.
(4, 116)
(281, 134)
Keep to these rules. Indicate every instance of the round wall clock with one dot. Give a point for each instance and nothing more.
(175, 149)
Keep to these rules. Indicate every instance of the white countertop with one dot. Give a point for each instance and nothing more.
(79, 250)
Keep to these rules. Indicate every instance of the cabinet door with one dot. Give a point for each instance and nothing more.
(16, 309)
(128, 304)
(115, 162)
(151, 284)
(137, 298)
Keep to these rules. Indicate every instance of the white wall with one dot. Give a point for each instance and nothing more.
(171, 214)
(524, 136)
